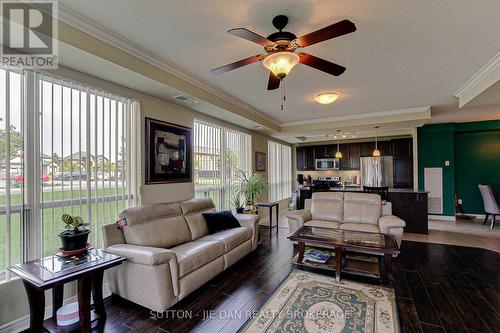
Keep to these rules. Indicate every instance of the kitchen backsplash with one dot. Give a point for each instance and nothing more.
(343, 174)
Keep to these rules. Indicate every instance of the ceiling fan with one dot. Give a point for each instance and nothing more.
(281, 46)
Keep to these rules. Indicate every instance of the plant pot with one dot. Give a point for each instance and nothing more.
(74, 241)
(240, 210)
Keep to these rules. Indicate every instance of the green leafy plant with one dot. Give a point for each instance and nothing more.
(235, 200)
(252, 185)
(74, 224)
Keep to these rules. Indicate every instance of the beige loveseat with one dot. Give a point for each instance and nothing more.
(170, 252)
(348, 211)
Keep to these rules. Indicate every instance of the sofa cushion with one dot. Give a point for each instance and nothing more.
(327, 206)
(193, 255)
(230, 237)
(219, 221)
(192, 210)
(364, 227)
(362, 208)
(322, 224)
(158, 225)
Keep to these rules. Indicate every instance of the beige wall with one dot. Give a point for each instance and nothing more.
(13, 300)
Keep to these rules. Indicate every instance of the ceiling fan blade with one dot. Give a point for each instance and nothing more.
(251, 36)
(237, 64)
(274, 82)
(321, 64)
(335, 30)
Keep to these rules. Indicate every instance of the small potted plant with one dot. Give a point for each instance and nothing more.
(235, 202)
(75, 236)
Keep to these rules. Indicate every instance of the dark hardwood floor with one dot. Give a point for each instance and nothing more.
(440, 288)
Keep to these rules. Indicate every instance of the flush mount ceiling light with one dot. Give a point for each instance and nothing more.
(326, 98)
(281, 63)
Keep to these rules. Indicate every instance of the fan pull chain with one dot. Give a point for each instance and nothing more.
(283, 100)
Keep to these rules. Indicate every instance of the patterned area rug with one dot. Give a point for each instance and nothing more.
(308, 302)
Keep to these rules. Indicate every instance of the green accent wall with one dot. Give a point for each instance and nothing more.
(435, 146)
(473, 150)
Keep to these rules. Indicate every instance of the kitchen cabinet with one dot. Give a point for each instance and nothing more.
(402, 149)
(354, 156)
(319, 152)
(385, 148)
(366, 149)
(305, 158)
(402, 173)
(344, 161)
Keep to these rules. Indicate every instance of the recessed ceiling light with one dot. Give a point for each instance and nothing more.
(326, 98)
(258, 127)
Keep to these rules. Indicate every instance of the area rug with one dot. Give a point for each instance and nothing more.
(309, 302)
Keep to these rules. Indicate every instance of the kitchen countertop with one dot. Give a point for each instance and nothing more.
(350, 188)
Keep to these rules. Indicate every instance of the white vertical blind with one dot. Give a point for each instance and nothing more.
(279, 171)
(219, 154)
(64, 148)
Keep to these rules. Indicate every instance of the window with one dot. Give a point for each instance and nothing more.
(219, 155)
(72, 155)
(279, 171)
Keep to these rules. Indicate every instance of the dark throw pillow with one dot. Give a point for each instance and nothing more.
(220, 221)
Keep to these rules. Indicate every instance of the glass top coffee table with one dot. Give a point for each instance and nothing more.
(380, 245)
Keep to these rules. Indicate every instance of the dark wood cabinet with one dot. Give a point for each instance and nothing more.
(344, 161)
(366, 149)
(305, 158)
(402, 149)
(402, 173)
(412, 208)
(385, 148)
(354, 156)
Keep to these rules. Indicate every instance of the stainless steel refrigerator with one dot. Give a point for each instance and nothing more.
(376, 171)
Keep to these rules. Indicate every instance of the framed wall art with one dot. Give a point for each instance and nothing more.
(260, 161)
(168, 152)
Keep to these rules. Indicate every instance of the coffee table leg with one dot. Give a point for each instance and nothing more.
(97, 294)
(338, 262)
(388, 267)
(302, 247)
(84, 288)
(36, 298)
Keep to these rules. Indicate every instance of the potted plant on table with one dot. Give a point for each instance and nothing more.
(76, 235)
(236, 203)
(251, 187)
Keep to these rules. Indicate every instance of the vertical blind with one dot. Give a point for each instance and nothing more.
(220, 154)
(72, 154)
(279, 171)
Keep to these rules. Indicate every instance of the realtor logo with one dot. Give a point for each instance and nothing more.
(29, 34)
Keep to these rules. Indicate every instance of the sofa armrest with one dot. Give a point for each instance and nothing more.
(297, 218)
(390, 221)
(387, 209)
(144, 255)
(251, 221)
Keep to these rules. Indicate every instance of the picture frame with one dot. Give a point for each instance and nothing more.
(168, 152)
(260, 161)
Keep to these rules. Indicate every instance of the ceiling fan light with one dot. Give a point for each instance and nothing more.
(281, 63)
(326, 98)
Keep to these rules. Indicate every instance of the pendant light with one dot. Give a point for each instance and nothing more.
(338, 154)
(376, 152)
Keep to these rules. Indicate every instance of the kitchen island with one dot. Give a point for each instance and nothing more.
(407, 204)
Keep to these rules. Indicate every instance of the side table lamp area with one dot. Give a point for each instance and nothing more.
(77, 261)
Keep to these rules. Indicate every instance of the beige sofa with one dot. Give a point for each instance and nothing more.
(348, 211)
(170, 252)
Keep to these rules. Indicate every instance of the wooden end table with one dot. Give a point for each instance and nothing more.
(270, 205)
(53, 272)
(380, 245)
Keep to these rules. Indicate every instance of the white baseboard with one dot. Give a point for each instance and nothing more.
(441, 217)
(23, 323)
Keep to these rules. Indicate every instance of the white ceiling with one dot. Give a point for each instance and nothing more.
(404, 53)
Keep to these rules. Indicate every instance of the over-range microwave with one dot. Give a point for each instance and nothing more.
(326, 164)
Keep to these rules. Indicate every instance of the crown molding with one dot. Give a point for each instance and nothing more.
(486, 70)
(95, 30)
(417, 109)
